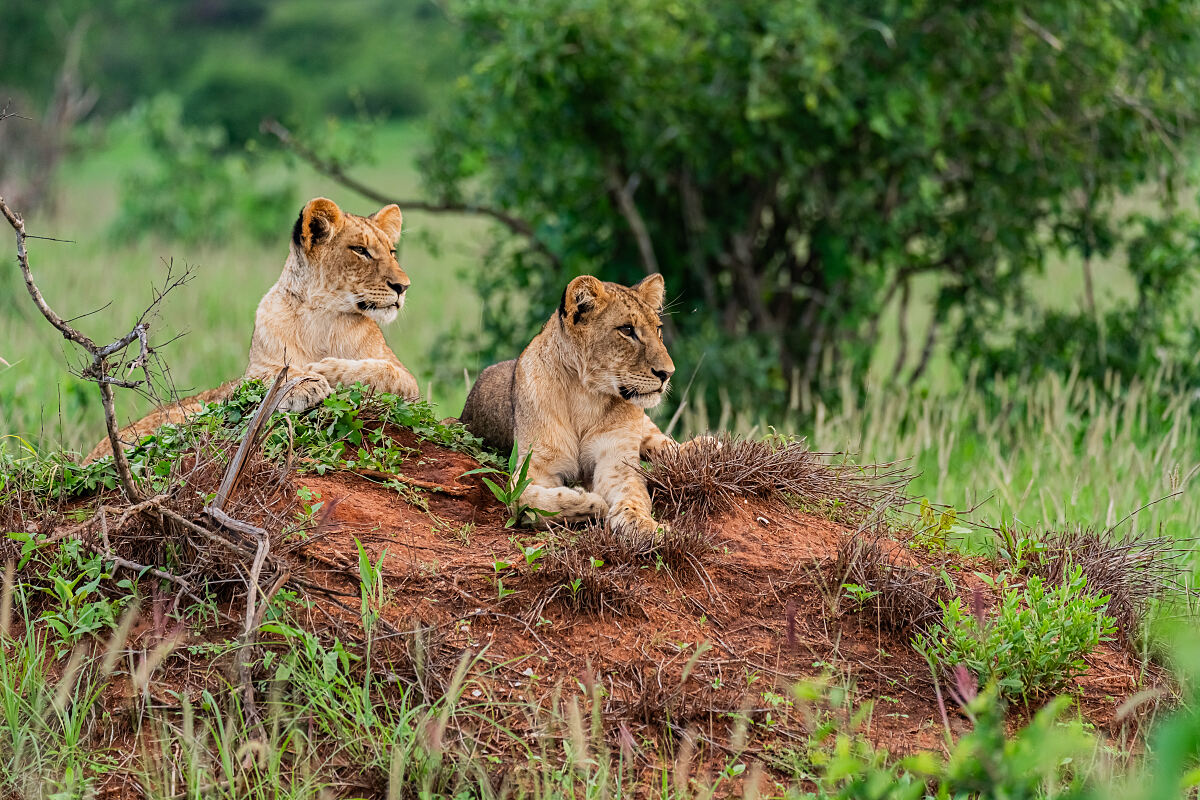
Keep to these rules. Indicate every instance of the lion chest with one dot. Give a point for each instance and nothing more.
(584, 447)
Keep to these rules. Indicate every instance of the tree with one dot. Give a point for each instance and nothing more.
(792, 167)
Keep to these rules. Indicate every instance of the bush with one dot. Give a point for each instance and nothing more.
(199, 188)
(1035, 643)
(235, 94)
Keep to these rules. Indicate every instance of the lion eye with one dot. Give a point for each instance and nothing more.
(362, 251)
(628, 331)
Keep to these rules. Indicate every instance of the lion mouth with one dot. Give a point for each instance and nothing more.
(633, 394)
(367, 305)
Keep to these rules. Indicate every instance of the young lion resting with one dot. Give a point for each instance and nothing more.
(575, 398)
(340, 282)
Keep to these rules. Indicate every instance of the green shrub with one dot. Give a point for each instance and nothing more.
(1033, 645)
(791, 168)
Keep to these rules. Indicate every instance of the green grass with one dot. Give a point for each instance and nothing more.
(1063, 454)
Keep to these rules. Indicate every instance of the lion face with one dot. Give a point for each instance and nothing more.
(352, 266)
(617, 335)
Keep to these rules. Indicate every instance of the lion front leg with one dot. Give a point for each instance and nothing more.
(618, 481)
(546, 491)
(378, 373)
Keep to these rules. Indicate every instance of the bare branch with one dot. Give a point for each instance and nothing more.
(270, 403)
(333, 170)
(622, 191)
(18, 225)
(901, 332)
(926, 351)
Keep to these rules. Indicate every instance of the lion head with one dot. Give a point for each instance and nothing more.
(348, 263)
(616, 335)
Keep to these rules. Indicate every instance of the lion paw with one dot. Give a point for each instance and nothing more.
(581, 506)
(704, 441)
(656, 451)
(631, 522)
(308, 393)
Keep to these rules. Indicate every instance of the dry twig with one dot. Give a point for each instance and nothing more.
(333, 170)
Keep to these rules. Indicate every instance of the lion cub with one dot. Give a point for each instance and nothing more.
(340, 282)
(575, 398)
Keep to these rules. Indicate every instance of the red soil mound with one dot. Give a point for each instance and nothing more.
(744, 622)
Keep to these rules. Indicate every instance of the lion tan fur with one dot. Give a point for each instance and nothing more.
(575, 403)
(340, 282)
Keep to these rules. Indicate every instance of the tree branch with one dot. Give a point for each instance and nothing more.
(926, 351)
(331, 169)
(901, 332)
(696, 226)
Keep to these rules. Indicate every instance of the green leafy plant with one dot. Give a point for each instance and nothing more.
(533, 554)
(859, 594)
(1033, 645)
(77, 608)
(935, 527)
(371, 587)
(508, 491)
(349, 430)
(310, 504)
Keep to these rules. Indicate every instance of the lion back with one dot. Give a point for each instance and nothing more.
(488, 412)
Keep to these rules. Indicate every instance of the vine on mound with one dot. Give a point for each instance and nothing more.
(346, 431)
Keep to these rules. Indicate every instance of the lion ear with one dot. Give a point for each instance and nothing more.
(652, 290)
(582, 296)
(319, 221)
(389, 218)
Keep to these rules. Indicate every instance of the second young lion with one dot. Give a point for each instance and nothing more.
(575, 403)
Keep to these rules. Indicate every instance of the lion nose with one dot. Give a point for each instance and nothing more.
(398, 288)
(662, 374)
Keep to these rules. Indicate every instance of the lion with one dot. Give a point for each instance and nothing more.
(340, 282)
(575, 403)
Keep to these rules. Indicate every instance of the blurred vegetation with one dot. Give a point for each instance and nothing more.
(794, 167)
(234, 62)
(189, 193)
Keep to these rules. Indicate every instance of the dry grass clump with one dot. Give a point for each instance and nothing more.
(1133, 571)
(573, 576)
(902, 596)
(597, 568)
(708, 475)
(589, 569)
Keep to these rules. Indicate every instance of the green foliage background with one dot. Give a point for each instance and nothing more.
(235, 61)
(798, 165)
